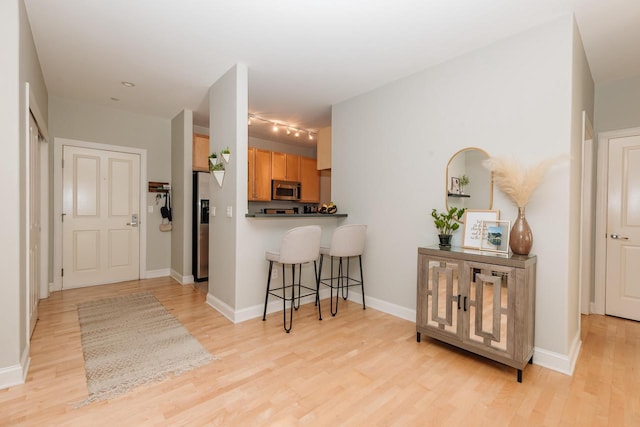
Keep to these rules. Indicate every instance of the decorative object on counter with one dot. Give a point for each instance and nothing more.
(330, 208)
(226, 154)
(518, 182)
(464, 180)
(472, 234)
(495, 236)
(447, 223)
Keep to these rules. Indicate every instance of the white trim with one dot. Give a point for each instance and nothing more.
(384, 306)
(255, 311)
(585, 278)
(57, 200)
(183, 280)
(152, 274)
(598, 306)
(16, 374)
(563, 363)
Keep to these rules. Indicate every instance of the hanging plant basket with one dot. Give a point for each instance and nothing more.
(219, 176)
(213, 160)
(226, 157)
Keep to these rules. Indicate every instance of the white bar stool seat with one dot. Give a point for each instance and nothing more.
(298, 246)
(347, 242)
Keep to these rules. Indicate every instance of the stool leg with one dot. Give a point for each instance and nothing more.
(362, 282)
(284, 303)
(318, 287)
(333, 313)
(296, 305)
(318, 279)
(346, 276)
(266, 298)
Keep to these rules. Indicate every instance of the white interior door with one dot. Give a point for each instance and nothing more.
(623, 228)
(34, 223)
(101, 239)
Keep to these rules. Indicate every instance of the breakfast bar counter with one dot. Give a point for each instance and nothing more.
(298, 215)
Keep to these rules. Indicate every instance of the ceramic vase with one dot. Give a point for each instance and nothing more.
(521, 238)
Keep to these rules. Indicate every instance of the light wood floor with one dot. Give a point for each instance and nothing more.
(358, 368)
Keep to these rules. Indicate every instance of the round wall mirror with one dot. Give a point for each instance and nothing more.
(469, 184)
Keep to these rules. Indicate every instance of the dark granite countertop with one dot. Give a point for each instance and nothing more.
(299, 215)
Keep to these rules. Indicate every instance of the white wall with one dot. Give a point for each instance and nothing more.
(182, 196)
(391, 147)
(617, 105)
(87, 122)
(19, 65)
(582, 100)
(228, 110)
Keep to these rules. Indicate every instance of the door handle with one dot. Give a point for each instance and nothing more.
(134, 220)
(619, 237)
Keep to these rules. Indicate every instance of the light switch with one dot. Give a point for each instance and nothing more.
(212, 211)
(229, 211)
(150, 208)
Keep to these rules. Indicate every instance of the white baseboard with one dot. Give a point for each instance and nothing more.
(563, 363)
(183, 280)
(255, 311)
(152, 274)
(16, 374)
(384, 306)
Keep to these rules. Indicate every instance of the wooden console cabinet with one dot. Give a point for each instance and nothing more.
(479, 301)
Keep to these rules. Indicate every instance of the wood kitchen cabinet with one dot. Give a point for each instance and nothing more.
(200, 152)
(259, 185)
(285, 166)
(481, 302)
(309, 180)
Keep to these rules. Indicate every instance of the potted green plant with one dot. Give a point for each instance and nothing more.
(213, 160)
(226, 154)
(217, 170)
(464, 180)
(447, 223)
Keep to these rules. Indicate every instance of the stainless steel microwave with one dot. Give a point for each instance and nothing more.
(285, 190)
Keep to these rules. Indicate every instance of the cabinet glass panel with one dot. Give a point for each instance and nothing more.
(442, 296)
(488, 307)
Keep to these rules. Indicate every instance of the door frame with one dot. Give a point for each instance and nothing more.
(32, 108)
(59, 143)
(604, 138)
(586, 217)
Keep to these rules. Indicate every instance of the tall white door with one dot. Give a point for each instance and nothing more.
(101, 200)
(34, 223)
(623, 228)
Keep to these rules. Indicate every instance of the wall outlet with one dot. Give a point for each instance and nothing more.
(274, 273)
(229, 211)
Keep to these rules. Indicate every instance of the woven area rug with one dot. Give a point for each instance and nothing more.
(132, 340)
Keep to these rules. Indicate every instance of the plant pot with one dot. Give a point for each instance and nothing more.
(213, 161)
(226, 157)
(219, 176)
(445, 240)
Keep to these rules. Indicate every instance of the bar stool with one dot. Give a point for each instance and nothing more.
(347, 242)
(298, 246)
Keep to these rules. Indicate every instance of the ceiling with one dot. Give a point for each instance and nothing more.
(302, 55)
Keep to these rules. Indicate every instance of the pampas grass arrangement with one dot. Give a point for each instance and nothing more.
(517, 180)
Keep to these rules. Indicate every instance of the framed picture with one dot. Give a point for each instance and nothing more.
(455, 185)
(495, 236)
(472, 232)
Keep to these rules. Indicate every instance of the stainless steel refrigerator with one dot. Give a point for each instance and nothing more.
(200, 241)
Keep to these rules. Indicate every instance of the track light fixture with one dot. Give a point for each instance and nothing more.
(275, 126)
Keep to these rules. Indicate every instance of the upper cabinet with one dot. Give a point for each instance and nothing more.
(285, 167)
(309, 180)
(200, 152)
(259, 185)
(324, 148)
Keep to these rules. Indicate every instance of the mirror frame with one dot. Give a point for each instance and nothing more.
(446, 182)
